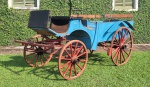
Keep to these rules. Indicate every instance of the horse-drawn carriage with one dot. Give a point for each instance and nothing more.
(68, 38)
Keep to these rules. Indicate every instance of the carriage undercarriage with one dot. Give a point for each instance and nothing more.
(72, 54)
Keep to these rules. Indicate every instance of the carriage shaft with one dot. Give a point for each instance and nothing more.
(36, 44)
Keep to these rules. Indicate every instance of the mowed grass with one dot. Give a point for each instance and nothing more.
(99, 72)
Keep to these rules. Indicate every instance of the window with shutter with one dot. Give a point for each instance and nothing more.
(23, 4)
(125, 5)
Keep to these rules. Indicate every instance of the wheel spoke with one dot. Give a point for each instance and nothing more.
(130, 41)
(79, 50)
(116, 54)
(125, 33)
(81, 54)
(126, 38)
(44, 56)
(82, 60)
(67, 59)
(75, 48)
(71, 49)
(123, 56)
(125, 52)
(41, 60)
(65, 64)
(35, 57)
(118, 57)
(115, 45)
(116, 40)
(117, 50)
(79, 66)
(75, 70)
(70, 74)
(36, 63)
(129, 48)
(67, 53)
(69, 65)
(119, 36)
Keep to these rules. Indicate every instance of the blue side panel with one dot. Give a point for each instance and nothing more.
(91, 33)
(108, 34)
(84, 33)
(102, 28)
(105, 31)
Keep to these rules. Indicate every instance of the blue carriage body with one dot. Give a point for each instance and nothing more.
(89, 32)
(92, 32)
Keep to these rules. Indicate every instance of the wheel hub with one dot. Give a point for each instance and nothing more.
(74, 60)
(123, 46)
(39, 51)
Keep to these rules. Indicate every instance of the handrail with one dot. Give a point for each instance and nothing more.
(86, 16)
(118, 15)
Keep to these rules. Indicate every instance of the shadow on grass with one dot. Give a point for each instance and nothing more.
(49, 71)
(100, 59)
(17, 65)
(11, 65)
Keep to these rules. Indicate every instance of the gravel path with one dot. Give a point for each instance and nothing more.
(19, 49)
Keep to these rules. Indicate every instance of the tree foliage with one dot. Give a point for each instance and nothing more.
(13, 23)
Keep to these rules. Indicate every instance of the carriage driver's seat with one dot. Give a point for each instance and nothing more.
(40, 21)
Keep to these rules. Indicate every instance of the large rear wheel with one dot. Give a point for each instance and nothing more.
(121, 46)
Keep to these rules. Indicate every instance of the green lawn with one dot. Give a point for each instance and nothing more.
(100, 72)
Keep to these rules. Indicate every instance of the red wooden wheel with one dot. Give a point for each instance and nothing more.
(72, 59)
(121, 46)
(37, 56)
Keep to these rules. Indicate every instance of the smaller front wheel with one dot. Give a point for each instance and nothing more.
(72, 59)
(36, 56)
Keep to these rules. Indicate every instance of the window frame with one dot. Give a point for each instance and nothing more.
(10, 5)
(134, 7)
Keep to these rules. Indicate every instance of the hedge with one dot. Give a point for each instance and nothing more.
(13, 23)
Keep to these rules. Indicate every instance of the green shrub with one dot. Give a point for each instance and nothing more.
(13, 23)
